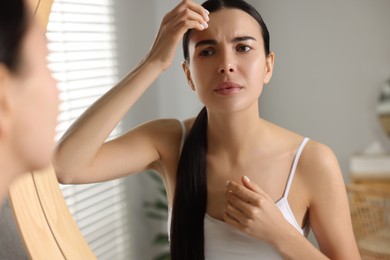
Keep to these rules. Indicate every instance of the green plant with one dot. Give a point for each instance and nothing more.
(158, 210)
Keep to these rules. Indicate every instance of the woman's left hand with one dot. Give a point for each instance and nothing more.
(252, 211)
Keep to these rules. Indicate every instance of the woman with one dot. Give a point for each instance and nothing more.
(28, 95)
(264, 209)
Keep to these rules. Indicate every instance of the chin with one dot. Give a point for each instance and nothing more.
(37, 165)
(39, 161)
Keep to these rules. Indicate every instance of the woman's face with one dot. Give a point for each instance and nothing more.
(34, 103)
(228, 65)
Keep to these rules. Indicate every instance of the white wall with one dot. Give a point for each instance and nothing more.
(331, 59)
(135, 32)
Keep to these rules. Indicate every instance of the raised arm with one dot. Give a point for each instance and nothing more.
(82, 154)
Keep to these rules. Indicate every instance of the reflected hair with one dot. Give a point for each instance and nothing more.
(190, 199)
(13, 27)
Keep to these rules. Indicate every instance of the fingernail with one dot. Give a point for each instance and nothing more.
(247, 178)
(202, 27)
(207, 11)
(205, 25)
(207, 18)
(227, 183)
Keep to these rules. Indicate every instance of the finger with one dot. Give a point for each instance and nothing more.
(238, 203)
(250, 185)
(183, 6)
(230, 220)
(189, 20)
(253, 186)
(182, 27)
(198, 9)
(183, 18)
(242, 192)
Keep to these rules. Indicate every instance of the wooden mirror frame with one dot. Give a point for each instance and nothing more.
(46, 226)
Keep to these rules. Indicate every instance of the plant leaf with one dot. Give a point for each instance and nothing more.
(161, 239)
(163, 256)
(159, 204)
(153, 215)
(163, 192)
(156, 177)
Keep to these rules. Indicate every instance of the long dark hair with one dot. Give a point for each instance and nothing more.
(13, 27)
(190, 201)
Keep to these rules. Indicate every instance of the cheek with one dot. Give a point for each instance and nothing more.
(37, 119)
(203, 75)
(203, 81)
(199, 72)
(254, 70)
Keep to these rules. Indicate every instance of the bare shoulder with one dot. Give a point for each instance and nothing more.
(169, 128)
(166, 135)
(318, 155)
(159, 131)
(188, 123)
(320, 169)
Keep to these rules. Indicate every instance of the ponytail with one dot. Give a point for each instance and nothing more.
(189, 204)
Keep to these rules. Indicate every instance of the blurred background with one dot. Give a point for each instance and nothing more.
(332, 60)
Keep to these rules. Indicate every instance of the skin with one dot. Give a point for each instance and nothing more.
(227, 70)
(28, 110)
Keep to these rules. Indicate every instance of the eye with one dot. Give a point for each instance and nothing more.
(243, 48)
(206, 52)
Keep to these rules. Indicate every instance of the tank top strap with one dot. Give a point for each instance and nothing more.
(183, 134)
(294, 166)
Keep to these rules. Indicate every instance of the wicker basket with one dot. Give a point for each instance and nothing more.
(370, 212)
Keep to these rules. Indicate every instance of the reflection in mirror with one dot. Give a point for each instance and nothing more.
(383, 108)
(81, 36)
(78, 86)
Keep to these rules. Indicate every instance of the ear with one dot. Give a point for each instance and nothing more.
(269, 67)
(186, 70)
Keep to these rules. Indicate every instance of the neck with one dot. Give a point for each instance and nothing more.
(235, 133)
(8, 172)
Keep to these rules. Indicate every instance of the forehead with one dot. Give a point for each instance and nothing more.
(228, 23)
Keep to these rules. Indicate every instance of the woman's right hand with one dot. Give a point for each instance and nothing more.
(186, 15)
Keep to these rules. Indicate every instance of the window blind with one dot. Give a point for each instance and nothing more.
(81, 42)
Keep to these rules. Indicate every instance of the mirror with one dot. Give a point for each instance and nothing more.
(330, 81)
(45, 223)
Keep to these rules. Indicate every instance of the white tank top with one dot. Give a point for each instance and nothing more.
(225, 242)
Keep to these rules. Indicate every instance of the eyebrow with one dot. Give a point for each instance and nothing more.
(214, 42)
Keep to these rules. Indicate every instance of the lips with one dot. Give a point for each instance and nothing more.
(228, 88)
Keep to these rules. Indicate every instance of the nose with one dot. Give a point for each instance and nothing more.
(228, 68)
(226, 63)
